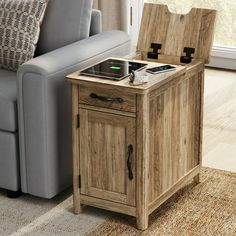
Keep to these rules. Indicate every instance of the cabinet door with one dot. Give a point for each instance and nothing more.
(107, 156)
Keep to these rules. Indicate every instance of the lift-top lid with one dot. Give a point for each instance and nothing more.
(175, 32)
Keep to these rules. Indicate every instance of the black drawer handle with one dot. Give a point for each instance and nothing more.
(129, 162)
(106, 99)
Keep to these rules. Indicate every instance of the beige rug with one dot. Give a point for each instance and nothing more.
(206, 209)
(30, 215)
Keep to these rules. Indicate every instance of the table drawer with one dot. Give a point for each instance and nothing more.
(113, 99)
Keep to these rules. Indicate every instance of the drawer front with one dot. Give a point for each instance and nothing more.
(113, 99)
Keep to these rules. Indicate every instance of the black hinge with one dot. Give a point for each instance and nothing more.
(78, 121)
(154, 54)
(188, 57)
(79, 181)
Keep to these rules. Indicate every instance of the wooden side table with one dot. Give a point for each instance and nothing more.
(135, 150)
(134, 147)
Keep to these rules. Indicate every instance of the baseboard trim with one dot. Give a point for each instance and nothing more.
(223, 57)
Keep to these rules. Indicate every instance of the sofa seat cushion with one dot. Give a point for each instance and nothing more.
(8, 97)
(9, 161)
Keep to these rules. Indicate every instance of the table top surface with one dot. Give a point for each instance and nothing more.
(153, 81)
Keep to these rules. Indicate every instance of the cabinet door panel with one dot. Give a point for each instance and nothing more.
(104, 143)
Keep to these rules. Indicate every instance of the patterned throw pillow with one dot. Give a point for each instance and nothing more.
(19, 30)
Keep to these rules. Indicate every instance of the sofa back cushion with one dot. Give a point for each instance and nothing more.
(19, 30)
(65, 22)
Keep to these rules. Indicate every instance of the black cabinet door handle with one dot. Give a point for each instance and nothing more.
(129, 161)
(106, 99)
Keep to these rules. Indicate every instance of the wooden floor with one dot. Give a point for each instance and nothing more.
(219, 133)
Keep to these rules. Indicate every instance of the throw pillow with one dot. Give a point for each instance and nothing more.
(19, 30)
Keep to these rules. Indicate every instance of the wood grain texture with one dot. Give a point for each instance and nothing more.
(177, 186)
(128, 103)
(176, 31)
(165, 131)
(162, 119)
(108, 205)
(75, 148)
(124, 86)
(142, 189)
(107, 110)
(104, 141)
(174, 133)
(200, 122)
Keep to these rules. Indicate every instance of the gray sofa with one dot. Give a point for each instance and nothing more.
(35, 110)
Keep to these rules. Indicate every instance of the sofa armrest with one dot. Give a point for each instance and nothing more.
(44, 110)
(96, 22)
(79, 54)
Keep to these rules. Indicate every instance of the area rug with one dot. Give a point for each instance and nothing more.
(28, 215)
(208, 208)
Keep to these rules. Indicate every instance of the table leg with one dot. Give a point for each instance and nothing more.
(196, 179)
(142, 222)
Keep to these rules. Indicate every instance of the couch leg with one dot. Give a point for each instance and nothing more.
(14, 194)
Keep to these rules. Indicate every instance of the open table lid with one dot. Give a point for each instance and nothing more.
(177, 31)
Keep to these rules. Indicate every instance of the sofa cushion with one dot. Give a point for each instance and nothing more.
(9, 161)
(19, 30)
(65, 22)
(8, 106)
